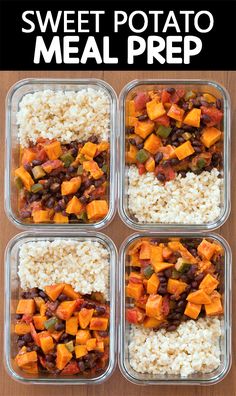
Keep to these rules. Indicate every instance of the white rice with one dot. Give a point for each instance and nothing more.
(194, 199)
(193, 347)
(82, 264)
(63, 115)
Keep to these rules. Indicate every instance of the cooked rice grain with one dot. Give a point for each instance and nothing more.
(63, 115)
(194, 199)
(83, 264)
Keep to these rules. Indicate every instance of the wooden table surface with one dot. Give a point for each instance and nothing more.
(116, 385)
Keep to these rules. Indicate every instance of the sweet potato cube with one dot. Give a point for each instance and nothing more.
(41, 216)
(193, 118)
(71, 186)
(56, 335)
(210, 136)
(215, 307)
(155, 109)
(93, 168)
(159, 267)
(167, 252)
(104, 339)
(206, 249)
(209, 98)
(65, 309)
(144, 128)
(39, 322)
(80, 351)
(152, 143)
(175, 286)
(28, 156)
(100, 346)
(97, 209)
(176, 112)
(25, 177)
(192, 310)
(184, 150)
(136, 277)
(60, 218)
(43, 309)
(199, 297)
(26, 307)
(131, 154)
(85, 316)
(54, 291)
(91, 344)
(156, 254)
(150, 164)
(153, 284)
(150, 323)
(53, 150)
(145, 251)
(134, 290)
(74, 206)
(72, 325)
(31, 368)
(46, 344)
(82, 336)
(89, 150)
(132, 121)
(209, 284)
(69, 292)
(63, 356)
(26, 358)
(22, 328)
(154, 306)
(99, 324)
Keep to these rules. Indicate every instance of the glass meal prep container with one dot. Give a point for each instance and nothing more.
(125, 327)
(14, 152)
(12, 295)
(130, 203)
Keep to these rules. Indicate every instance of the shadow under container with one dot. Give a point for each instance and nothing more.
(124, 329)
(12, 293)
(12, 153)
(128, 93)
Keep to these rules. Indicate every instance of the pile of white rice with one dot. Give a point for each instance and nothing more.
(82, 264)
(65, 116)
(194, 199)
(193, 347)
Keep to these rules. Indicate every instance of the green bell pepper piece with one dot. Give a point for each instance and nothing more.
(142, 156)
(36, 188)
(163, 131)
(50, 323)
(67, 159)
(148, 271)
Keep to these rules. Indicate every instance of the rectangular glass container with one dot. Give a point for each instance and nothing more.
(225, 340)
(206, 86)
(12, 153)
(12, 292)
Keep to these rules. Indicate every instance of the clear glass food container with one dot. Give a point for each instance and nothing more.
(210, 87)
(225, 340)
(12, 153)
(12, 292)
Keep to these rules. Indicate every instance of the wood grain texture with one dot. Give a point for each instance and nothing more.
(116, 385)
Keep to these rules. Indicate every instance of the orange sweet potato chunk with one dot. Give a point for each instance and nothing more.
(54, 291)
(63, 356)
(85, 316)
(82, 336)
(25, 177)
(154, 306)
(192, 310)
(80, 351)
(209, 284)
(39, 322)
(71, 186)
(145, 251)
(193, 118)
(72, 325)
(22, 328)
(46, 343)
(134, 290)
(28, 156)
(144, 128)
(41, 216)
(99, 324)
(26, 307)
(65, 309)
(74, 206)
(97, 209)
(175, 286)
(199, 297)
(91, 344)
(206, 249)
(69, 292)
(153, 284)
(53, 150)
(159, 267)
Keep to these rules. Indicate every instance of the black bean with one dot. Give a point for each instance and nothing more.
(37, 162)
(194, 284)
(140, 145)
(182, 173)
(81, 365)
(27, 338)
(64, 337)
(185, 106)
(21, 343)
(181, 139)
(83, 199)
(24, 214)
(171, 328)
(188, 288)
(161, 177)
(170, 90)
(162, 279)
(196, 142)
(179, 310)
(18, 316)
(88, 305)
(59, 326)
(199, 277)
(174, 137)
(62, 297)
(28, 167)
(100, 310)
(74, 152)
(34, 197)
(184, 318)
(204, 103)
(193, 251)
(183, 296)
(205, 118)
(168, 273)
(180, 303)
(98, 182)
(132, 141)
(42, 294)
(143, 117)
(197, 149)
(162, 290)
(93, 139)
(172, 297)
(57, 208)
(176, 322)
(196, 102)
(48, 313)
(50, 203)
(218, 104)
(52, 306)
(130, 130)
(55, 187)
(158, 157)
(64, 213)
(184, 278)
(175, 144)
(174, 161)
(49, 358)
(71, 169)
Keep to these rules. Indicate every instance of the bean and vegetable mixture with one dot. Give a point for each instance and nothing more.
(63, 175)
(171, 285)
(173, 134)
(62, 332)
